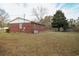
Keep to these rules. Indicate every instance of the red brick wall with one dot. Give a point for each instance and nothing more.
(26, 27)
(14, 27)
(39, 27)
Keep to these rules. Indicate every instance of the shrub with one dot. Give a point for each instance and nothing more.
(76, 29)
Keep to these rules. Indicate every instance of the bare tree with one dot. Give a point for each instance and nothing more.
(3, 17)
(39, 13)
(47, 21)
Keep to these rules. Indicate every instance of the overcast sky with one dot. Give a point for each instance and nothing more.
(14, 10)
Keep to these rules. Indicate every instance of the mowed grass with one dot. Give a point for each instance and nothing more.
(42, 44)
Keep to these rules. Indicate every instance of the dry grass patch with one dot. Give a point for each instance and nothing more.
(46, 43)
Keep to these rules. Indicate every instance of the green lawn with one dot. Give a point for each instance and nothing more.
(45, 43)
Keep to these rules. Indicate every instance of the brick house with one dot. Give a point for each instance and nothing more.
(25, 26)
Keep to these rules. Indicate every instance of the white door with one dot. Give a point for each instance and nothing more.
(20, 26)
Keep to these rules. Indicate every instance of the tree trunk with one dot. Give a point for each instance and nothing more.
(64, 29)
(58, 29)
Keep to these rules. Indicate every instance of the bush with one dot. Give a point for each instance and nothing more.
(76, 29)
(7, 30)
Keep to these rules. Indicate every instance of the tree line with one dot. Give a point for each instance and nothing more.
(58, 20)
